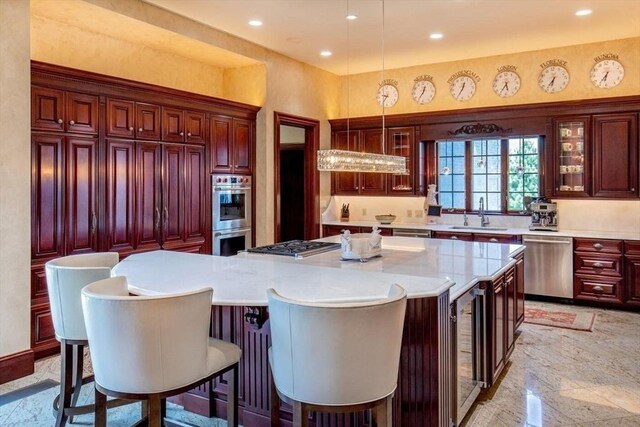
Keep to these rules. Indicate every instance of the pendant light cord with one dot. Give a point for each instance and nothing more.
(348, 75)
(382, 79)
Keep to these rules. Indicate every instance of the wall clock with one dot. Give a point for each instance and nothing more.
(387, 95)
(607, 73)
(423, 90)
(553, 78)
(506, 83)
(462, 88)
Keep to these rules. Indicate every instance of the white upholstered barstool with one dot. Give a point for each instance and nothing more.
(340, 357)
(66, 277)
(152, 347)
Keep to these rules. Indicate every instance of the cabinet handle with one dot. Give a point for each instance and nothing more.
(598, 246)
(131, 128)
(493, 239)
(60, 121)
(94, 222)
(71, 122)
(157, 216)
(598, 289)
(597, 265)
(633, 189)
(139, 129)
(557, 188)
(454, 237)
(181, 133)
(188, 133)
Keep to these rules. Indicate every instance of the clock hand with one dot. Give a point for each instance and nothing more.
(506, 86)
(551, 82)
(604, 78)
(462, 88)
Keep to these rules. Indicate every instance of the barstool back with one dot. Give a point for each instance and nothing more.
(336, 354)
(146, 344)
(66, 277)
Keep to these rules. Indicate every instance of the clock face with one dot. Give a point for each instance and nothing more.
(607, 74)
(463, 88)
(387, 95)
(423, 91)
(506, 84)
(553, 78)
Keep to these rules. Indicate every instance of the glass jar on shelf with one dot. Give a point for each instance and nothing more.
(570, 162)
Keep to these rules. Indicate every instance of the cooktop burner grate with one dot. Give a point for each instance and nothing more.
(295, 248)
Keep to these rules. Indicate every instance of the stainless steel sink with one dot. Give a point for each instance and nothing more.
(468, 227)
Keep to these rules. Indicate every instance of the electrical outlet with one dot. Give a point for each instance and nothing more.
(408, 213)
(418, 213)
(364, 211)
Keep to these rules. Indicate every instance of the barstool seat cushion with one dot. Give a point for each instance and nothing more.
(221, 354)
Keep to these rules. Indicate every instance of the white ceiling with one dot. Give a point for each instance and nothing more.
(300, 29)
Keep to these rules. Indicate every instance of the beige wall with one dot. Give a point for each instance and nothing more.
(15, 178)
(580, 59)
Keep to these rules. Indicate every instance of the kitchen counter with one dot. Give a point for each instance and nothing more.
(508, 231)
(425, 268)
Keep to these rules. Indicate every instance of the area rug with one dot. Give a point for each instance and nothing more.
(581, 321)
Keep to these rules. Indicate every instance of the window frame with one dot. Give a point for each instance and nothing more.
(504, 172)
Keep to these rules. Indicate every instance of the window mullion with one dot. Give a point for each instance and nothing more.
(504, 161)
(467, 176)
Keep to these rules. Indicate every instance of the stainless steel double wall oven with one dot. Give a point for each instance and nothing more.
(231, 213)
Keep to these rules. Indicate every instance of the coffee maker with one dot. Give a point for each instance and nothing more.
(544, 215)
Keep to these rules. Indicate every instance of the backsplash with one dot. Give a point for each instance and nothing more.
(593, 215)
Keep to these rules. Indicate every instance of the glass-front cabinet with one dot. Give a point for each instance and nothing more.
(571, 163)
(401, 142)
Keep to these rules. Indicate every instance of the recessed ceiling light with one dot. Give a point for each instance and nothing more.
(255, 23)
(436, 36)
(583, 12)
(326, 53)
(351, 17)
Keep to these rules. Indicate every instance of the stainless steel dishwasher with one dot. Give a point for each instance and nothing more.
(548, 266)
(412, 232)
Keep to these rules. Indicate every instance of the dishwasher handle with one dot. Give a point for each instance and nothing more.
(553, 242)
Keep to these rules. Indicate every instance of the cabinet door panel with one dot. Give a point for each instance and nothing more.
(39, 290)
(47, 109)
(195, 127)
(615, 155)
(173, 193)
(148, 121)
(82, 215)
(172, 125)
(242, 137)
(633, 280)
(519, 291)
(82, 113)
(148, 195)
(120, 115)
(510, 316)
(400, 142)
(221, 145)
(47, 180)
(120, 195)
(372, 183)
(498, 327)
(346, 182)
(196, 192)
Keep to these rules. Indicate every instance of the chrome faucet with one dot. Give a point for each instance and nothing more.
(466, 220)
(484, 221)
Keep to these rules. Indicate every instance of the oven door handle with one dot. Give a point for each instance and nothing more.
(221, 189)
(231, 232)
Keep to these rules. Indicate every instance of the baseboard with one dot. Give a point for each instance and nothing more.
(16, 365)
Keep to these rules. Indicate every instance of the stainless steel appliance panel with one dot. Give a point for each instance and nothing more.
(406, 232)
(231, 202)
(230, 242)
(549, 266)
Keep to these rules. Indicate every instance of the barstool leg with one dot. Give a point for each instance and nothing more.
(300, 416)
(275, 405)
(78, 356)
(100, 399)
(381, 414)
(155, 411)
(66, 380)
(232, 398)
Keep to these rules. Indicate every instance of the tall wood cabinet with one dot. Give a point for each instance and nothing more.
(120, 166)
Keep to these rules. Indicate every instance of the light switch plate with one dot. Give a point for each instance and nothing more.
(418, 213)
(408, 213)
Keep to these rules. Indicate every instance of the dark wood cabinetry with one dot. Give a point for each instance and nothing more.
(118, 166)
(498, 317)
(606, 271)
(477, 237)
(372, 183)
(334, 230)
(231, 145)
(465, 237)
(615, 155)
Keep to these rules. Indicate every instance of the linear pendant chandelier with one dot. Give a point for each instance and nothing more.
(353, 161)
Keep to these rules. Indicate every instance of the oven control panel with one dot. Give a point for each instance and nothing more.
(231, 180)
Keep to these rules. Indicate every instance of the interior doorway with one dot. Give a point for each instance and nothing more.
(296, 177)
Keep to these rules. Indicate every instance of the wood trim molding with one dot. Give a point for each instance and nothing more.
(311, 177)
(16, 365)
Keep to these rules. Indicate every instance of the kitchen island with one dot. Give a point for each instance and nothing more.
(434, 272)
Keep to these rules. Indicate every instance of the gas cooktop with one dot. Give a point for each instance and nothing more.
(296, 248)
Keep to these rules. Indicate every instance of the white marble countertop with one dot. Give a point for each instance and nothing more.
(424, 267)
(507, 231)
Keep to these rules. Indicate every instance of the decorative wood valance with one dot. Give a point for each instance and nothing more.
(479, 128)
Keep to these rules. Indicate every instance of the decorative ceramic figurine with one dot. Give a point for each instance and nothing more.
(361, 246)
(431, 206)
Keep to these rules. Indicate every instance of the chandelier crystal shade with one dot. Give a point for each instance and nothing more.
(353, 161)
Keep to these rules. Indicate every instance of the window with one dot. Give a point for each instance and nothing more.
(500, 171)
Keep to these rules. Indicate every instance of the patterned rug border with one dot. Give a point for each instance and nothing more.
(581, 319)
